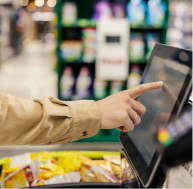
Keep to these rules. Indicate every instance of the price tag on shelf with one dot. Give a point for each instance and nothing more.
(112, 61)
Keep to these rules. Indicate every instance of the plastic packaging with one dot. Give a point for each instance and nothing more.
(137, 47)
(102, 10)
(136, 12)
(119, 10)
(69, 12)
(99, 171)
(47, 164)
(72, 177)
(134, 77)
(23, 177)
(156, 12)
(100, 89)
(70, 163)
(127, 173)
(151, 39)
(83, 84)
(67, 84)
(71, 50)
(116, 86)
(89, 44)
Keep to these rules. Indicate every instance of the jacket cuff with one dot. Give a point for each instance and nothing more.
(86, 119)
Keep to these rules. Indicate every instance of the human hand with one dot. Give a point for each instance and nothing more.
(121, 110)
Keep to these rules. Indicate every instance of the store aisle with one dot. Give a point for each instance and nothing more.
(30, 75)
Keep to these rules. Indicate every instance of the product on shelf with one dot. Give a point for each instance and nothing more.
(89, 44)
(116, 86)
(71, 50)
(136, 12)
(69, 12)
(156, 12)
(83, 84)
(180, 24)
(151, 39)
(100, 89)
(137, 47)
(102, 10)
(119, 10)
(134, 77)
(67, 83)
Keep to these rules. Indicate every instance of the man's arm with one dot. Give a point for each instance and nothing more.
(51, 121)
(46, 121)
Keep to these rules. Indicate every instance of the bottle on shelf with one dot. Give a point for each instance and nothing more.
(67, 84)
(116, 86)
(119, 10)
(69, 12)
(136, 12)
(156, 12)
(151, 39)
(89, 44)
(100, 89)
(134, 77)
(137, 47)
(83, 85)
(102, 10)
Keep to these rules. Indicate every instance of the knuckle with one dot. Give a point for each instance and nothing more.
(143, 109)
(124, 116)
(132, 127)
(138, 121)
(141, 87)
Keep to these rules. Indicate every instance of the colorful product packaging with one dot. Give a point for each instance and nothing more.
(25, 176)
(71, 50)
(137, 47)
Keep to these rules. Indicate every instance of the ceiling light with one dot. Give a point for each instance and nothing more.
(51, 3)
(23, 2)
(39, 3)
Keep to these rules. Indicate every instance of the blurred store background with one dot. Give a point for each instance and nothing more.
(49, 48)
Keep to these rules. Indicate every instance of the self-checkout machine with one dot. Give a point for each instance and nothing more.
(163, 139)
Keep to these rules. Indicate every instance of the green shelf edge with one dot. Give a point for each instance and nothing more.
(143, 26)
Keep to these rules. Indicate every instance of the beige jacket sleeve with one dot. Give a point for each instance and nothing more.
(46, 121)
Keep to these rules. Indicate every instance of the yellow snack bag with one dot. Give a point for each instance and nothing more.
(70, 162)
(89, 175)
(15, 162)
(116, 159)
(23, 177)
(48, 170)
(127, 173)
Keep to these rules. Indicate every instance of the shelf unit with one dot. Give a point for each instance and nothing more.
(85, 8)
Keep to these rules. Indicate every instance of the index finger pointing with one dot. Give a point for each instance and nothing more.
(140, 89)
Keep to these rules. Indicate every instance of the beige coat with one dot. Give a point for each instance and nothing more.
(46, 121)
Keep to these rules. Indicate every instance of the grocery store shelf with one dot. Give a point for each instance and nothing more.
(93, 23)
(80, 61)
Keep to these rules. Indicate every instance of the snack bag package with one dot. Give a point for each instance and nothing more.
(72, 177)
(48, 166)
(25, 176)
(99, 170)
(70, 162)
(127, 173)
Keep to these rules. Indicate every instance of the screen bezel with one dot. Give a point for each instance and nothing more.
(144, 172)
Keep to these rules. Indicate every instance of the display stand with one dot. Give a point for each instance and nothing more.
(160, 176)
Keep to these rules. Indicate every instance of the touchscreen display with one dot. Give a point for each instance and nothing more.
(159, 103)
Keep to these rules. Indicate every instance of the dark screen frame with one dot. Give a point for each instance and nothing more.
(145, 172)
